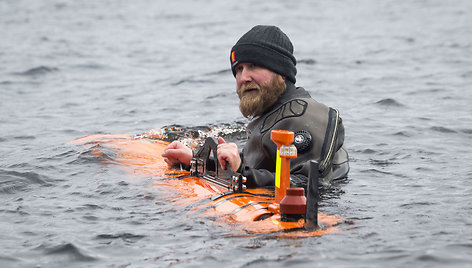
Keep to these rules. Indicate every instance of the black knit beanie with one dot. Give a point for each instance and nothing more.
(266, 46)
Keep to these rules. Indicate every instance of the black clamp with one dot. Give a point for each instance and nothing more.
(202, 167)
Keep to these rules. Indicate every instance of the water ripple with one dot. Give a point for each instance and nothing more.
(405, 134)
(382, 163)
(70, 251)
(14, 181)
(306, 61)
(37, 71)
(443, 129)
(415, 204)
(191, 81)
(127, 237)
(389, 102)
(467, 130)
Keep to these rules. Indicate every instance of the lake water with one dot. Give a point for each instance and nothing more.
(399, 72)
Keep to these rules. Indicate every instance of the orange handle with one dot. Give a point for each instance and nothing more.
(283, 139)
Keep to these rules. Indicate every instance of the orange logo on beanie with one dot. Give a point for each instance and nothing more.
(233, 57)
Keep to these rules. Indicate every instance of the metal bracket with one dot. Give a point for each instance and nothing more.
(201, 166)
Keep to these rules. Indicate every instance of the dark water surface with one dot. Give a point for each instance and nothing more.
(400, 74)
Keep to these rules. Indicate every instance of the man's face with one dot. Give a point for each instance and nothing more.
(258, 88)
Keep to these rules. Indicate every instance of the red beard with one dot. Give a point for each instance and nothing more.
(255, 98)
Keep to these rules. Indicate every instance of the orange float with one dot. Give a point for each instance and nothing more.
(250, 210)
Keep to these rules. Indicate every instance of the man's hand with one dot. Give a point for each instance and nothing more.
(228, 152)
(176, 153)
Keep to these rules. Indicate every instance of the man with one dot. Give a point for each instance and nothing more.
(263, 64)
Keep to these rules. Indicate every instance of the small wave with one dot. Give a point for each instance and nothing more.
(71, 251)
(426, 91)
(89, 207)
(466, 131)
(423, 169)
(8, 260)
(389, 102)
(402, 134)
(40, 70)
(14, 181)
(90, 218)
(217, 96)
(24, 137)
(467, 74)
(443, 129)
(382, 163)
(373, 170)
(428, 258)
(370, 235)
(307, 61)
(459, 246)
(127, 237)
(255, 244)
(369, 151)
(91, 66)
(332, 191)
(192, 81)
(416, 204)
(224, 71)
(93, 154)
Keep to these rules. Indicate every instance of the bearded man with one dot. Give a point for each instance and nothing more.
(263, 64)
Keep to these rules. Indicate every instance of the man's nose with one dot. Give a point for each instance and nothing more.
(245, 75)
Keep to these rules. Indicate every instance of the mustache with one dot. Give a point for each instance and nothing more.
(243, 88)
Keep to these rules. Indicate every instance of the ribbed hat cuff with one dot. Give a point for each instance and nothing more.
(267, 57)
